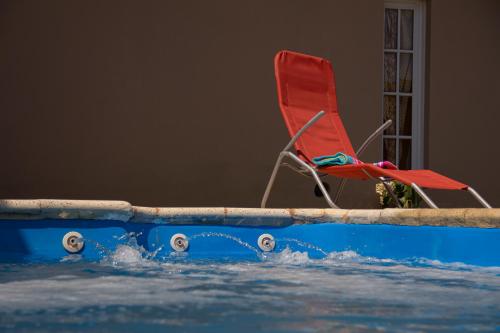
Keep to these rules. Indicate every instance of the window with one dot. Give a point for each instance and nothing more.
(403, 83)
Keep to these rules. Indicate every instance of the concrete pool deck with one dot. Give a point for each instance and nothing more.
(43, 209)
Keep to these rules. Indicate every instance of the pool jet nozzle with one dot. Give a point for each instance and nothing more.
(73, 242)
(266, 242)
(179, 242)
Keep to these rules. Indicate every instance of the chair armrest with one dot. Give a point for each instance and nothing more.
(303, 129)
(372, 137)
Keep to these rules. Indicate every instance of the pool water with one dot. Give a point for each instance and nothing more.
(131, 290)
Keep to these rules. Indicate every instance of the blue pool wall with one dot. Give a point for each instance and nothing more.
(41, 240)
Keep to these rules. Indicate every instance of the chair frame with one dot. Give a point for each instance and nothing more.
(313, 172)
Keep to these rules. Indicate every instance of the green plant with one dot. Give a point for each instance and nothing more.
(405, 194)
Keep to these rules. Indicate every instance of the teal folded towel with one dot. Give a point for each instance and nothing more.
(331, 160)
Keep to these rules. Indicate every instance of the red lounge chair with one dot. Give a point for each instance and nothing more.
(308, 102)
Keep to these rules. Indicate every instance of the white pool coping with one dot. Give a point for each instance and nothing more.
(43, 209)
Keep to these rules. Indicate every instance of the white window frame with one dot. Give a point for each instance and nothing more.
(418, 84)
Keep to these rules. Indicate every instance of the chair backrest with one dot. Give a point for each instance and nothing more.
(306, 86)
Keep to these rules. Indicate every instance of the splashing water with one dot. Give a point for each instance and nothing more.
(131, 254)
(227, 236)
(287, 257)
(303, 244)
(133, 290)
(284, 292)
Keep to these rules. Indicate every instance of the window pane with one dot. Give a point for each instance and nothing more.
(405, 115)
(390, 150)
(390, 72)
(390, 113)
(405, 154)
(391, 29)
(405, 72)
(406, 34)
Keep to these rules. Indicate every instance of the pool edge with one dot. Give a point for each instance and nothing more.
(42, 209)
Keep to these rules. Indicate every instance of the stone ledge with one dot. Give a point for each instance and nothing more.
(65, 209)
(273, 217)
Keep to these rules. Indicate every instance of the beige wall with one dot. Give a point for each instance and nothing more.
(169, 103)
(173, 103)
(463, 90)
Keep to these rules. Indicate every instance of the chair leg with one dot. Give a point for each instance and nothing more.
(391, 192)
(271, 180)
(478, 197)
(316, 178)
(424, 196)
(305, 165)
(342, 183)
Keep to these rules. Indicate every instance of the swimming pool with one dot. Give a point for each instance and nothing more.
(287, 291)
(327, 270)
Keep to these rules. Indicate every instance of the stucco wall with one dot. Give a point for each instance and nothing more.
(165, 103)
(171, 103)
(464, 85)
